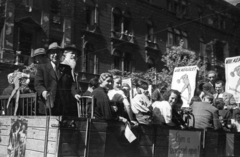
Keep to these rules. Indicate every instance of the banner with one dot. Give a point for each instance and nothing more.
(184, 143)
(184, 80)
(232, 73)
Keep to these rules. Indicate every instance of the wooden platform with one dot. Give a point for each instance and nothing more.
(58, 136)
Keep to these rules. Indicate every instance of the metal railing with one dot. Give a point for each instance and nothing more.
(27, 105)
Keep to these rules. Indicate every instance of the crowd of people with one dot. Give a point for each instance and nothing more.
(56, 84)
(210, 108)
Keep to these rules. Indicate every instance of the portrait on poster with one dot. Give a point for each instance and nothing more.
(17, 138)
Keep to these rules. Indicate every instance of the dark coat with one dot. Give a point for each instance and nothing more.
(61, 86)
(205, 115)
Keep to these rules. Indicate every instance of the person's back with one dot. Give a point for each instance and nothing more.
(205, 115)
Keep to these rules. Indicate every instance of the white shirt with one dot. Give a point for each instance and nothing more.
(116, 95)
(165, 109)
(140, 103)
(54, 66)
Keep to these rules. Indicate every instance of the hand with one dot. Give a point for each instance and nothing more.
(183, 127)
(122, 119)
(135, 123)
(77, 96)
(44, 94)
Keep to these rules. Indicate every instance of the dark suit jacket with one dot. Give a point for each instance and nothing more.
(205, 115)
(61, 86)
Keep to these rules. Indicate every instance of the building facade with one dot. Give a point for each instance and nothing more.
(129, 35)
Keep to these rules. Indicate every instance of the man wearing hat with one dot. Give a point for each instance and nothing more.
(39, 56)
(55, 83)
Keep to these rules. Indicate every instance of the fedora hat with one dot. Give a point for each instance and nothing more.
(53, 46)
(39, 51)
(72, 47)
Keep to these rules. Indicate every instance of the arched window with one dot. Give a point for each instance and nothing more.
(128, 62)
(117, 19)
(117, 60)
(150, 30)
(90, 15)
(127, 22)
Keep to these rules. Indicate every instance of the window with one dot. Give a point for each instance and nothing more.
(127, 23)
(169, 5)
(176, 37)
(25, 45)
(117, 20)
(88, 58)
(176, 7)
(219, 50)
(184, 8)
(150, 30)
(202, 47)
(170, 36)
(200, 14)
(127, 62)
(90, 16)
(117, 60)
(55, 18)
(185, 39)
(150, 62)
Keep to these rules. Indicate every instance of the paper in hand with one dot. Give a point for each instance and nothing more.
(129, 134)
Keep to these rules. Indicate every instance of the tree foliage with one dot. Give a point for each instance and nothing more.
(175, 56)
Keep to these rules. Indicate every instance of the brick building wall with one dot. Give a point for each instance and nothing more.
(96, 36)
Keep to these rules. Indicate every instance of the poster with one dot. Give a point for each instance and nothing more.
(184, 143)
(184, 80)
(232, 73)
(17, 138)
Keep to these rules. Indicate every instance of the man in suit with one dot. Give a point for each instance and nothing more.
(205, 115)
(55, 81)
(211, 76)
(157, 94)
(220, 93)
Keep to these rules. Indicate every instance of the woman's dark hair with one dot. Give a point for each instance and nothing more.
(167, 94)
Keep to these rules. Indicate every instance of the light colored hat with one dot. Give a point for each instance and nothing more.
(53, 46)
(39, 51)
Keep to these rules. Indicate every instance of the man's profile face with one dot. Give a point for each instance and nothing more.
(211, 77)
(219, 87)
